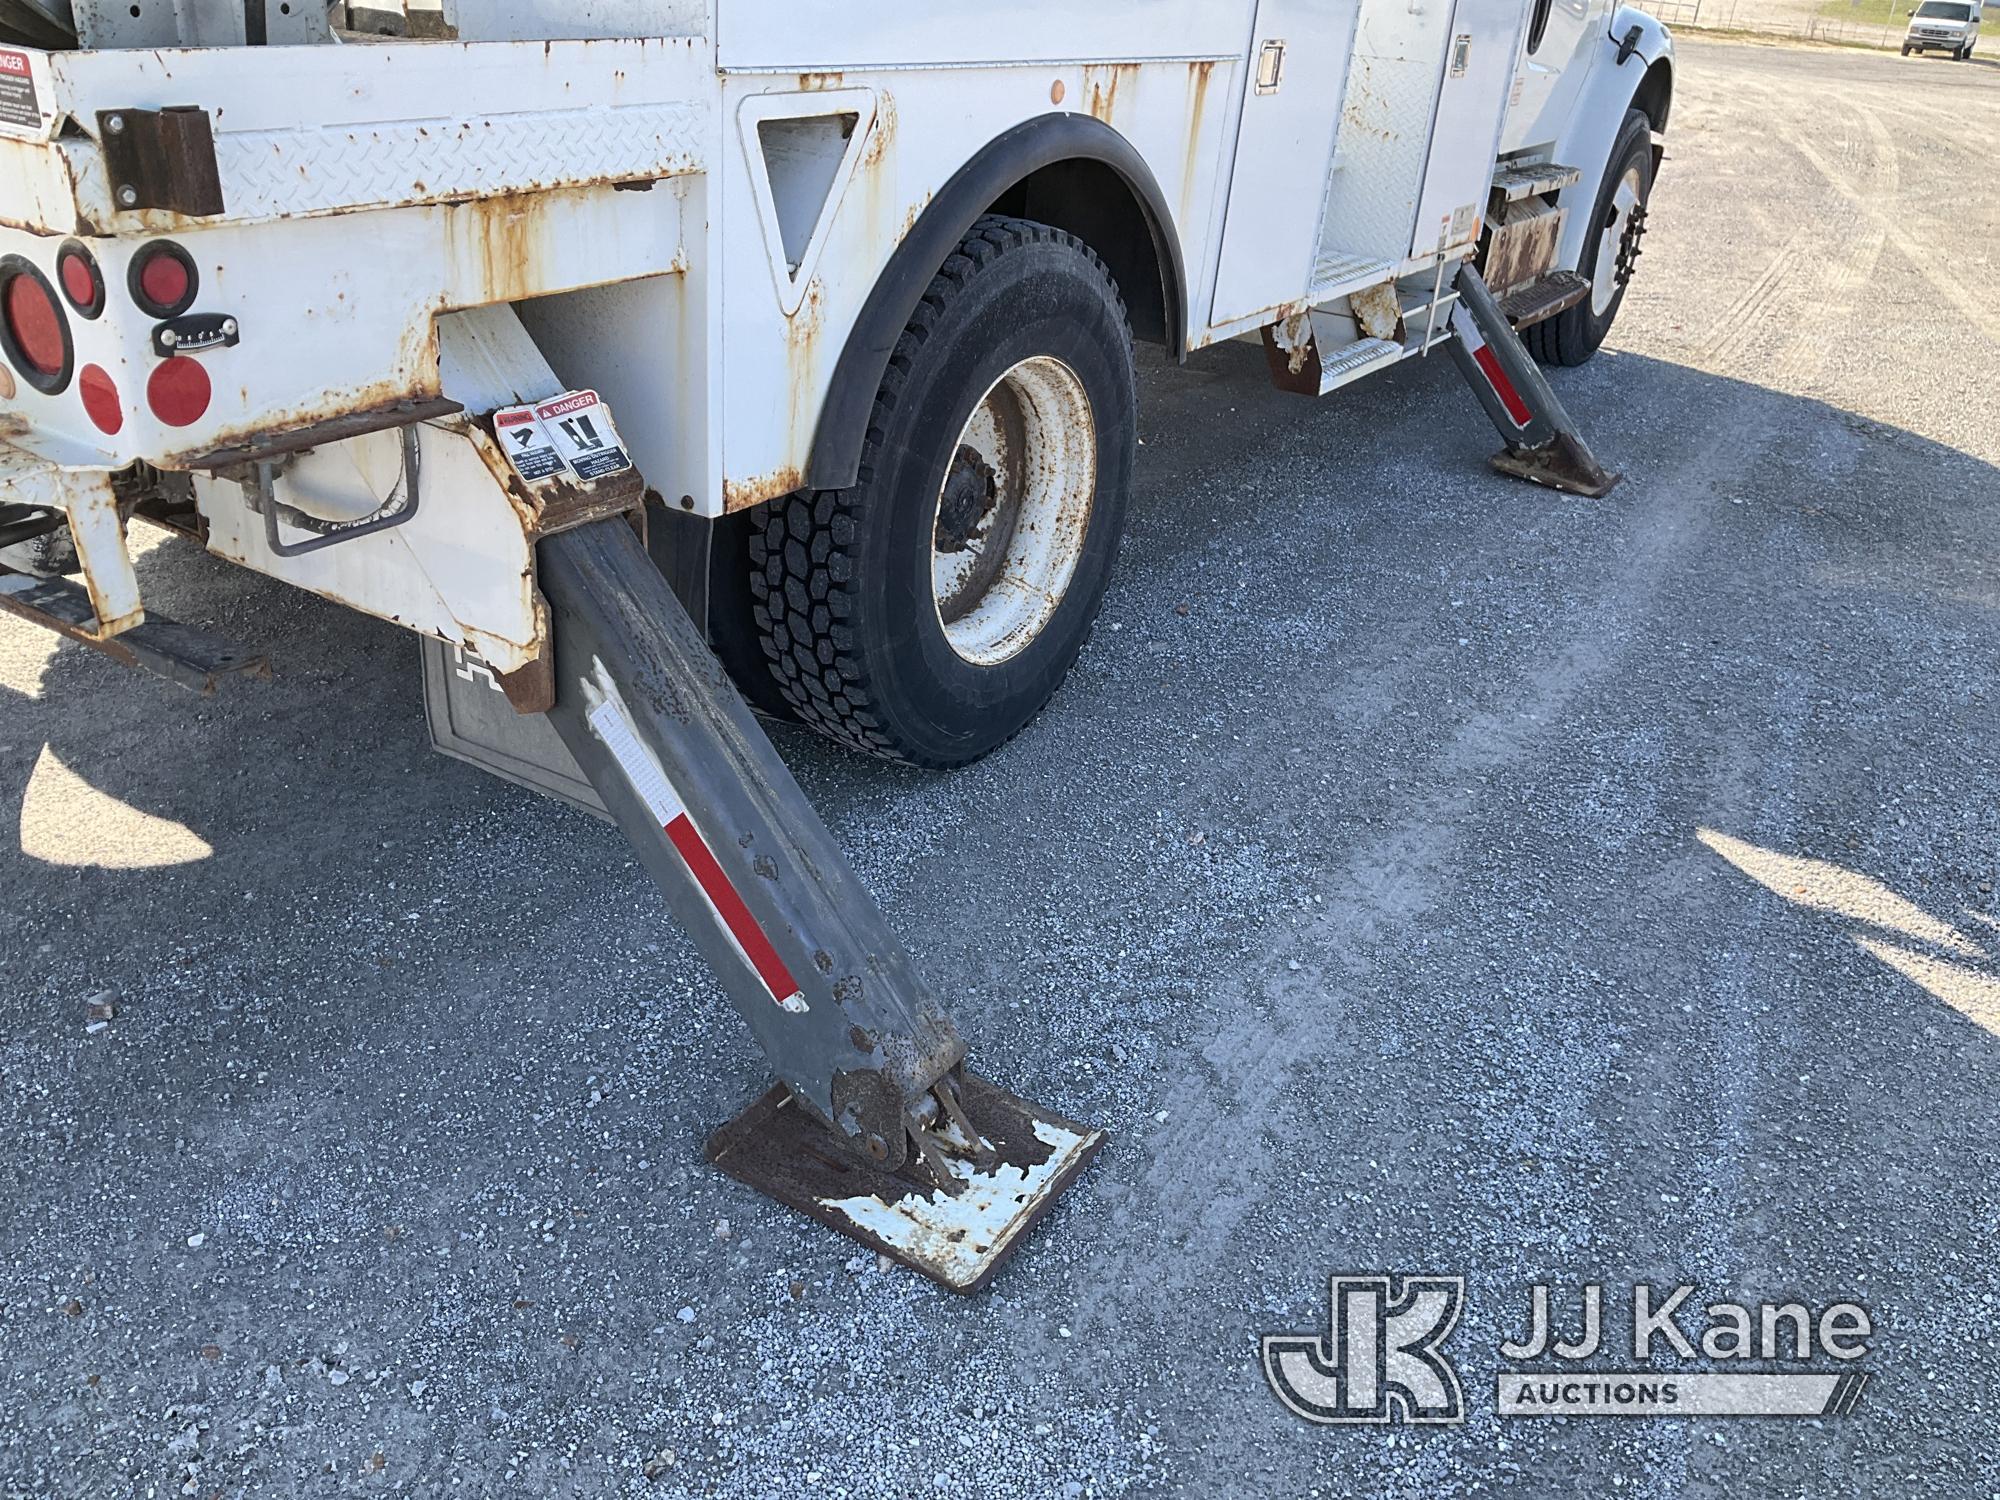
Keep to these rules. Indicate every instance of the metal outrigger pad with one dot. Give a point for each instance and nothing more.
(955, 1211)
(1543, 444)
(875, 1127)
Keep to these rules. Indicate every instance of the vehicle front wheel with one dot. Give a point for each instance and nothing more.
(1609, 253)
(928, 613)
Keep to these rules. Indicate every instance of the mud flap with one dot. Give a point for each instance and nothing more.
(1543, 445)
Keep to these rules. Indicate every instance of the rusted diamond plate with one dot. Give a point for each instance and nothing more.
(958, 1240)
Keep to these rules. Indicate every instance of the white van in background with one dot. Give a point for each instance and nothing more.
(1943, 26)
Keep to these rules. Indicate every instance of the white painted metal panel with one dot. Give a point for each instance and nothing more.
(1549, 79)
(1283, 148)
(1480, 48)
(821, 36)
(336, 311)
(775, 361)
(329, 128)
(643, 346)
(460, 569)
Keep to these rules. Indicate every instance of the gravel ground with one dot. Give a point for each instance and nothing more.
(1421, 872)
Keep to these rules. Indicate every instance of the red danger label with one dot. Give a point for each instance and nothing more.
(18, 104)
(549, 410)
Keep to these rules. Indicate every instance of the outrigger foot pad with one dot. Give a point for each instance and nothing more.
(1560, 464)
(1543, 444)
(1018, 1161)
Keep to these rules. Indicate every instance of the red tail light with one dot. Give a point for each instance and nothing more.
(163, 280)
(178, 391)
(82, 282)
(33, 330)
(100, 398)
(35, 323)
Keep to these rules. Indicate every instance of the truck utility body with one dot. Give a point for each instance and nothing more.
(638, 355)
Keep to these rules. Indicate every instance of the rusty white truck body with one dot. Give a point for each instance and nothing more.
(694, 210)
(638, 354)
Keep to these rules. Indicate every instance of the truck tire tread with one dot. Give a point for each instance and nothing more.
(801, 571)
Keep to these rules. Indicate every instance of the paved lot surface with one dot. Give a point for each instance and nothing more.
(1421, 872)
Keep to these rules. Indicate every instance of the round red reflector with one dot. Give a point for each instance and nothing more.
(36, 324)
(165, 282)
(178, 391)
(100, 398)
(79, 280)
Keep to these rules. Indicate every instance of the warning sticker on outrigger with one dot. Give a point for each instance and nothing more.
(571, 435)
(19, 104)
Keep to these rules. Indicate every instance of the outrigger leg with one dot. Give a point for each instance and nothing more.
(1543, 444)
(876, 1126)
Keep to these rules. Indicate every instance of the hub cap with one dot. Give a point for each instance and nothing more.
(1013, 511)
(1617, 243)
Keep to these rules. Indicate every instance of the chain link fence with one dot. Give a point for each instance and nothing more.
(1854, 24)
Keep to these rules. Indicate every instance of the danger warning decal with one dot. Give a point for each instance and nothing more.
(20, 107)
(570, 435)
(528, 447)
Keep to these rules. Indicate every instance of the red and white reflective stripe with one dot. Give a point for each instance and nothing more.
(1489, 365)
(614, 726)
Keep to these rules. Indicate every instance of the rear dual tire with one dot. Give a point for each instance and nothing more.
(928, 612)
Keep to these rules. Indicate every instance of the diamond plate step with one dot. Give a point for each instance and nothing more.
(1553, 293)
(1515, 183)
(1336, 274)
(1357, 359)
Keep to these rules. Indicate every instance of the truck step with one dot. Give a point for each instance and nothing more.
(1347, 365)
(1337, 273)
(1515, 183)
(1544, 298)
(180, 653)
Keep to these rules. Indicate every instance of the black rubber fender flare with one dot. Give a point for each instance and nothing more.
(1003, 163)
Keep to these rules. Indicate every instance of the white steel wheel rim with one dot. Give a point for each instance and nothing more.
(1013, 511)
(1610, 240)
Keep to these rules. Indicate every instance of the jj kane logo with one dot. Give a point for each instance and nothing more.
(1379, 1360)
(1382, 1356)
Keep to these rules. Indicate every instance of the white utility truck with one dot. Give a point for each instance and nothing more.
(647, 356)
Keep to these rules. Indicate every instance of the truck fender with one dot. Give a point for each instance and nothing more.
(1002, 164)
(1612, 88)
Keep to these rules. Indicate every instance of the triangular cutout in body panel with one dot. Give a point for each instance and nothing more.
(802, 150)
